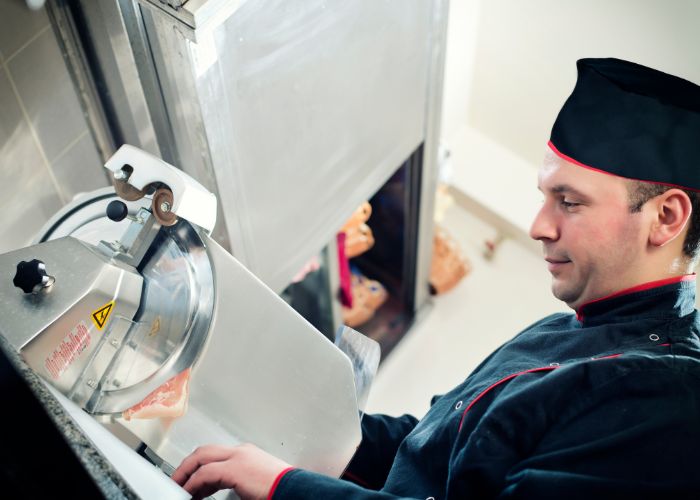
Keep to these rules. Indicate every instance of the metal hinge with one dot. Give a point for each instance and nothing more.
(175, 4)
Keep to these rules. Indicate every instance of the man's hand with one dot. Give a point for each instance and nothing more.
(246, 469)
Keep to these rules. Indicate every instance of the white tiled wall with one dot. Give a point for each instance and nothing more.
(47, 154)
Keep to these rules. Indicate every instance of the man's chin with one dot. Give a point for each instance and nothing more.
(565, 293)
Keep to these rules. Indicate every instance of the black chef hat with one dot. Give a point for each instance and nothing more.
(632, 121)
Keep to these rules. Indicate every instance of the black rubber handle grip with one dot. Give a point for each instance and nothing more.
(117, 210)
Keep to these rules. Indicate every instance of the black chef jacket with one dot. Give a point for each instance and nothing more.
(603, 404)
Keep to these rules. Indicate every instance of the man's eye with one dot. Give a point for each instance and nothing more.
(569, 204)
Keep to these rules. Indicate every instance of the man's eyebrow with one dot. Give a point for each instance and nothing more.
(566, 189)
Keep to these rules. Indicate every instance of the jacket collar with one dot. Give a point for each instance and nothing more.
(668, 298)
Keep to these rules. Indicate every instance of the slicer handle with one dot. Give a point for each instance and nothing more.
(117, 210)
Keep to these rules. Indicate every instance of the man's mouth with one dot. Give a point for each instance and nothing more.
(556, 264)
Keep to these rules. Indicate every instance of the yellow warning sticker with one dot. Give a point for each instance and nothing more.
(101, 316)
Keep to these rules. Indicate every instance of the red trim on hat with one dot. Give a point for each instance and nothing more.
(638, 288)
(576, 162)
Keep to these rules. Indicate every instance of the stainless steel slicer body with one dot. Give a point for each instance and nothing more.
(111, 310)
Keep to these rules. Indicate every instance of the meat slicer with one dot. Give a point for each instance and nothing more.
(110, 309)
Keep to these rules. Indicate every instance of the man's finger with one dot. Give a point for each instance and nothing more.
(201, 456)
(209, 479)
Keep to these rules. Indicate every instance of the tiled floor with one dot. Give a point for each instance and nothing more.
(496, 300)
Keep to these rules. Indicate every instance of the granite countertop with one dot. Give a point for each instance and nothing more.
(106, 478)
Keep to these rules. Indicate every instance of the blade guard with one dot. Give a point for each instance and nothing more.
(191, 200)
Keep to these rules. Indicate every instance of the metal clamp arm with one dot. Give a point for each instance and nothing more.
(191, 200)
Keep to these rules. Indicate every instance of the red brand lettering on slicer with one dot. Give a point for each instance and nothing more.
(72, 345)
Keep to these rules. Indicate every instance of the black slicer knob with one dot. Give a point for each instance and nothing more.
(31, 276)
(117, 210)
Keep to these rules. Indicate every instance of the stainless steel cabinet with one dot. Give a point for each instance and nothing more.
(292, 111)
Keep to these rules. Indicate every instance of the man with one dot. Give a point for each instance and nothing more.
(605, 402)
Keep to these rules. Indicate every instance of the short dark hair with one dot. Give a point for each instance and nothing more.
(641, 192)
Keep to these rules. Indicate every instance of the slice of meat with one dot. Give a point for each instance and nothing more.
(168, 401)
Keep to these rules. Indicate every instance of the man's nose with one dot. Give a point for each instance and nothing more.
(544, 226)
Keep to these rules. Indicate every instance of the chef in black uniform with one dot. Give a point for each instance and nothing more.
(601, 403)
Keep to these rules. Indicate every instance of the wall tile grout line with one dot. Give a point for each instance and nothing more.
(25, 115)
(68, 147)
(27, 43)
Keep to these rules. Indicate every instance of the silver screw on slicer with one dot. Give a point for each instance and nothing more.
(121, 175)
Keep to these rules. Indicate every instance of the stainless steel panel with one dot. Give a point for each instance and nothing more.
(198, 14)
(46, 89)
(266, 376)
(125, 76)
(192, 149)
(18, 24)
(79, 169)
(303, 109)
(27, 194)
(53, 330)
(310, 136)
(174, 3)
(261, 372)
(330, 259)
(429, 176)
(167, 334)
(172, 325)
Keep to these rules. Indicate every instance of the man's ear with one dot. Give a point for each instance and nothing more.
(671, 213)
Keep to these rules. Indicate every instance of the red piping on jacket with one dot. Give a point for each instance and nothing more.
(532, 370)
(352, 477)
(638, 288)
(607, 357)
(496, 384)
(277, 482)
(576, 162)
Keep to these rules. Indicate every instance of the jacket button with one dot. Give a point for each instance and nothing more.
(458, 405)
